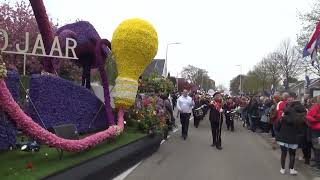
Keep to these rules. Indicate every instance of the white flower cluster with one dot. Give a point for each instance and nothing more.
(118, 130)
(3, 69)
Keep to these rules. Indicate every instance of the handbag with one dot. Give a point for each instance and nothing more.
(264, 118)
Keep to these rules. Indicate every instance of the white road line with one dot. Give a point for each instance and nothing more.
(127, 172)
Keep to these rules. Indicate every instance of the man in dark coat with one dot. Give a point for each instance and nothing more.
(216, 119)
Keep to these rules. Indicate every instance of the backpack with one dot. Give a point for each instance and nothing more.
(294, 113)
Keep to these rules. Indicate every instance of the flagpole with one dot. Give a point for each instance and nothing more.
(306, 81)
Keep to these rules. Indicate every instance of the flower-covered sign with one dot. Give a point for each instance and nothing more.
(39, 49)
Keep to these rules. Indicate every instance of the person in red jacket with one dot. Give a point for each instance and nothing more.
(313, 121)
(313, 117)
(286, 97)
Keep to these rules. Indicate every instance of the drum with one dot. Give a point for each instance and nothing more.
(198, 112)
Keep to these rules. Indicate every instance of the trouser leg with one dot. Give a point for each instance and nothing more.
(306, 149)
(214, 128)
(184, 117)
(272, 130)
(284, 151)
(219, 134)
(187, 124)
(228, 121)
(195, 121)
(292, 156)
(252, 123)
(232, 124)
(182, 120)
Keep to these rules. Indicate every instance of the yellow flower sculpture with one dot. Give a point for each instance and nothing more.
(3, 70)
(134, 45)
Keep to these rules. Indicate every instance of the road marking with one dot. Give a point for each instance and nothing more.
(127, 172)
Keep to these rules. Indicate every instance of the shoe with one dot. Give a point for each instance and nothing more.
(283, 171)
(213, 144)
(293, 172)
(219, 147)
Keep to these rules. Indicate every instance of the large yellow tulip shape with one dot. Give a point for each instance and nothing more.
(134, 45)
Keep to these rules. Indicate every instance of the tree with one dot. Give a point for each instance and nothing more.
(235, 85)
(208, 84)
(190, 73)
(261, 72)
(221, 88)
(309, 21)
(290, 61)
(272, 68)
(251, 83)
(17, 19)
(198, 76)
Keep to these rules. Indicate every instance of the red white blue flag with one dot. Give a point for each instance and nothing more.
(313, 44)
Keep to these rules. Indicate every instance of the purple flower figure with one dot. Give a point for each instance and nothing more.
(138, 105)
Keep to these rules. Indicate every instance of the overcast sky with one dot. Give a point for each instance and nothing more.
(215, 35)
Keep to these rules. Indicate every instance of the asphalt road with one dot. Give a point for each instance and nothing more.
(245, 156)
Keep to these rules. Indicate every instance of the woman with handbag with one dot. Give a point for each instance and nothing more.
(313, 121)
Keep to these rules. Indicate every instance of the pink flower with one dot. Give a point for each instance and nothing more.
(146, 102)
(34, 130)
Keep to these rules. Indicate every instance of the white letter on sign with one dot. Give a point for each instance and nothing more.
(55, 47)
(68, 47)
(26, 46)
(6, 39)
(36, 46)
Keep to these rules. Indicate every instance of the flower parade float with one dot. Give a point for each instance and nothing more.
(134, 43)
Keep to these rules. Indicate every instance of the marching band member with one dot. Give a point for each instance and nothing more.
(228, 106)
(216, 119)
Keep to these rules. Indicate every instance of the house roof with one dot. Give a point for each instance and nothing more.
(300, 84)
(156, 66)
(297, 84)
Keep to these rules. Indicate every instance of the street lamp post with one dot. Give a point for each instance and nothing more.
(167, 53)
(240, 78)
